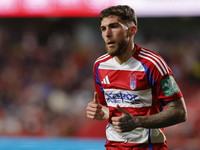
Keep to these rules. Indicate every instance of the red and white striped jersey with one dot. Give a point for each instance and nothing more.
(140, 86)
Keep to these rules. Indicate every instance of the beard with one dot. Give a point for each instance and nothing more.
(118, 48)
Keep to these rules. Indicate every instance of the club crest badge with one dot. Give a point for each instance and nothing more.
(133, 81)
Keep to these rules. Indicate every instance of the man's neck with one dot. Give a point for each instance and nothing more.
(125, 56)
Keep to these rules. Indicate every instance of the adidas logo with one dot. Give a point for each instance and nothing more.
(105, 80)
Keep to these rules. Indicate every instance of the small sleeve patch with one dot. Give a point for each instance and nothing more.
(169, 86)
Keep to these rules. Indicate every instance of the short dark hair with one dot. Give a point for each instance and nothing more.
(126, 13)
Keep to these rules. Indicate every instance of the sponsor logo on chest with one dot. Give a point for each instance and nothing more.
(121, 97)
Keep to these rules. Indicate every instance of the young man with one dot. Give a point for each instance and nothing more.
(132, 85)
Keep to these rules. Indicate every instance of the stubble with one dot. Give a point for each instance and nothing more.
(118, 49)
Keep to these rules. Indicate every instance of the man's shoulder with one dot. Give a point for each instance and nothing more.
(153, 61)
(147, 55)
(143, 51)
(102, 58)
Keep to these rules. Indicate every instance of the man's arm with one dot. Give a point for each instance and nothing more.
(174, 114)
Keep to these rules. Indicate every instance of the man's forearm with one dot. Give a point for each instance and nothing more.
(174, 114)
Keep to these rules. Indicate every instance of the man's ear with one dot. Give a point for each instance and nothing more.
(132, 30)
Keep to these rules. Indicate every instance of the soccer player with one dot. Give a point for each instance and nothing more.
(132, 86)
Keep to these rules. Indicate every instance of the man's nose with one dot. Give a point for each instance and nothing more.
(108, 32)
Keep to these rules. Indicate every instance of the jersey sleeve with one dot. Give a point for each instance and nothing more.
(160, 76)
(98, 86)
(164, 83)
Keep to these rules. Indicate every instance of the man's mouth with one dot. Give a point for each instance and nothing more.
(110, 43)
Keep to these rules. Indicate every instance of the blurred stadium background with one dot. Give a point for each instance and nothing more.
(47, 51)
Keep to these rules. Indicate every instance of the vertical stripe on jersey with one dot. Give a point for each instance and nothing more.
(152, 62)
(156, 60)
(97, 79)
(149, 140)
(161, 61)
(148, 74)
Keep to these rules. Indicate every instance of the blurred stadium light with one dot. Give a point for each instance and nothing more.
(91, 8)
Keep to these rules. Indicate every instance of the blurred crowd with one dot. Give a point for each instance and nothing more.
(46, 67)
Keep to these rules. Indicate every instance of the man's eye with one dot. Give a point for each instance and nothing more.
(114, 26)
(103, 29)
